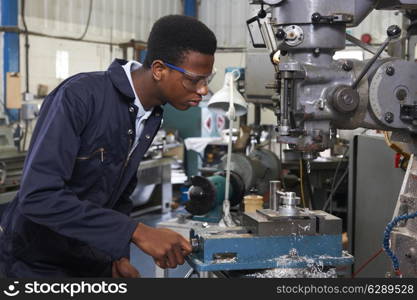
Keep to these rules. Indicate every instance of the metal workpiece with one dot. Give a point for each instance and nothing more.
(289, 204)
(274, 199)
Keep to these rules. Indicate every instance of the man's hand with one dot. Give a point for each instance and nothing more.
(122, 268)
(167, 247)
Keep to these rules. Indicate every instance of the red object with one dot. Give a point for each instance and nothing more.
(375, 255)
(366, 38)
(397, 160)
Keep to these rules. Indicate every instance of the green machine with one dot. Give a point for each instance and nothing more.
(194, 122)
(207, 194)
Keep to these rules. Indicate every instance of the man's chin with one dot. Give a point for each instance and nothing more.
(182, 106)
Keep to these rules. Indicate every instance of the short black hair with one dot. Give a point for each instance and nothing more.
(173, 35)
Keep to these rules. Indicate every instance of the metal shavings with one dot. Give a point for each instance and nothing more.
(225, 260)
(305, 228)
(313, 272)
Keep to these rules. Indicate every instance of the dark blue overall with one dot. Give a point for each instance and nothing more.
(69, 218)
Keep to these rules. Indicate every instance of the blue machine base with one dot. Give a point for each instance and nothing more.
(223, 251)
(280, 262)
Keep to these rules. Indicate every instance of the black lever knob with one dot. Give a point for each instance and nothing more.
(394, 31)
(262, 12)
(316, 17)
(281, 34)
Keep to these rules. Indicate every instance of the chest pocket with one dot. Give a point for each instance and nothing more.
(88, 174)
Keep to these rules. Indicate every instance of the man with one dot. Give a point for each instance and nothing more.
(70, 217)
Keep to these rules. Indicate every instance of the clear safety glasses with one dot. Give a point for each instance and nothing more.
(191, 81)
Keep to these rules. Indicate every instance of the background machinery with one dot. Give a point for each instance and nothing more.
(314, 96)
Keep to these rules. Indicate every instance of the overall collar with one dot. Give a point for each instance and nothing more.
(119, 78)
(121, 82)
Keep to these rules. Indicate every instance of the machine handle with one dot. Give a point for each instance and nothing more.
(393, 32)
(317, 18)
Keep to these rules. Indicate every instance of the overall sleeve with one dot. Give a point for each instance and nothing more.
(125, 205)
(44, 196)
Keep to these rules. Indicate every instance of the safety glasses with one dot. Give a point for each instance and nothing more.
(191, 81)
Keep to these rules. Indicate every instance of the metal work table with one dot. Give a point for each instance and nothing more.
(154, 188)
(11, 165)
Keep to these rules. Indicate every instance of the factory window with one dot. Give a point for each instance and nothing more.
(61, 65)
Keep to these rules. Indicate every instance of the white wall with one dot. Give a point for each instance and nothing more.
(222, 60)
(227, 19)
(114, 21)
(83, 57)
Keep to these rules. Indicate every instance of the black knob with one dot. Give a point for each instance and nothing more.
(347, 65)
(316, 17)
(389, 117)
(394, 31)
(390, 71)
(262, 13)
(280, 34)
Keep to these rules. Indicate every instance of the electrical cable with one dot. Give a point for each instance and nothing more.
(87, 25)
(335, 176)
(386, 244)
(81, 38)
(335, 189)
(375, 255)
(397, 149)
(337, 167)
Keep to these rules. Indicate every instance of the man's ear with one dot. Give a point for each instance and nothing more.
(158, 69)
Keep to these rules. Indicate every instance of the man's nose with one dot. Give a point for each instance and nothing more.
(203, 90)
